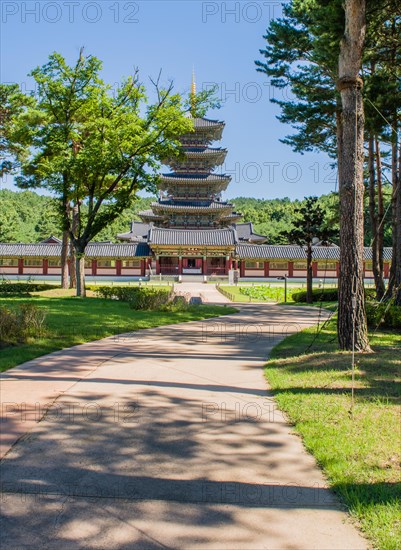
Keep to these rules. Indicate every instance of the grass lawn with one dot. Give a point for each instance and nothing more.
(71, 321)
(359, 452)
(272, 293)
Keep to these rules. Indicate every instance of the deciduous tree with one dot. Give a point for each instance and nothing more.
(95, 147)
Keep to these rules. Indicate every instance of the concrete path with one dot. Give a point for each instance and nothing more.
(207, 292)
(166, 438)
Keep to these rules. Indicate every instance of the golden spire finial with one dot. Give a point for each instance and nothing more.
(193, 92)
(193, 86)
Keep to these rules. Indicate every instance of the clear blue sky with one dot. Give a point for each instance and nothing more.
(220, 39)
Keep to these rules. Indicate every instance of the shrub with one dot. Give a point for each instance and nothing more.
(326, 295)
(23, 288)
(179, 303)
(17, 325)
(383, 315)
(138, 297)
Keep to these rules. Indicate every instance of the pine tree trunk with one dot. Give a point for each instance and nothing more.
(377, 272)
(394, 285)
(352, 326)
(309, 275)
(64, 260)
(380, 221)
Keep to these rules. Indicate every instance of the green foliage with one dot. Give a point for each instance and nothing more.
(309, 222)
(27, 217)
(325, 295)
(301, 54)
(23, 288)
(263, 293)
(383, 315)
(144, 298)
(20, 324)
(12, 102)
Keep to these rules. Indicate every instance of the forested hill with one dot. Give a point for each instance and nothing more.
(26, 216)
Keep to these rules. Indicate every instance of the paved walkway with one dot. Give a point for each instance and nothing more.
(166, 438)
(207, 292)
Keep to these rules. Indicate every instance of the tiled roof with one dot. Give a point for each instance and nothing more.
(294, 252)
(191, 206)
(93, 250)
(149, 214)
(204, 151)
(52, 240)
(245, 232)
(192, 237)
(139, 231)
(193, 178)
(200, 123)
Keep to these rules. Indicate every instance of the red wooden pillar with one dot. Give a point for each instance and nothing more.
(20, 266)
(94, 267)
(179, 265)
(242, 268)
(386, 269)
(290, 269)
(157, 265)
(45, 266)
(118, 267)
(143, 268)
(338, 269)
(227, 265)
(314, 269)
(266, 268)
(204, 265)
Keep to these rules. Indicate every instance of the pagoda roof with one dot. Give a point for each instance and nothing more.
(201, 123)
(204, 150)
(210, 129)
(150, 215)
(194, 178)
(192, 237)
(191, 206)
(232, 217)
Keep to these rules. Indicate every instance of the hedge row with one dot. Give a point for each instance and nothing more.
(7, 287)
(326, 295)
(138, 297)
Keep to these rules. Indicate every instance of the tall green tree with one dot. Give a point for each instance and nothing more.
(12, 103)
(310, 223)
(94, 147)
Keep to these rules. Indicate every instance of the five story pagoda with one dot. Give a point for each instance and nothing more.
(190, 229)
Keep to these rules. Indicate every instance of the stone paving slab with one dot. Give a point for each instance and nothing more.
(168, 438)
